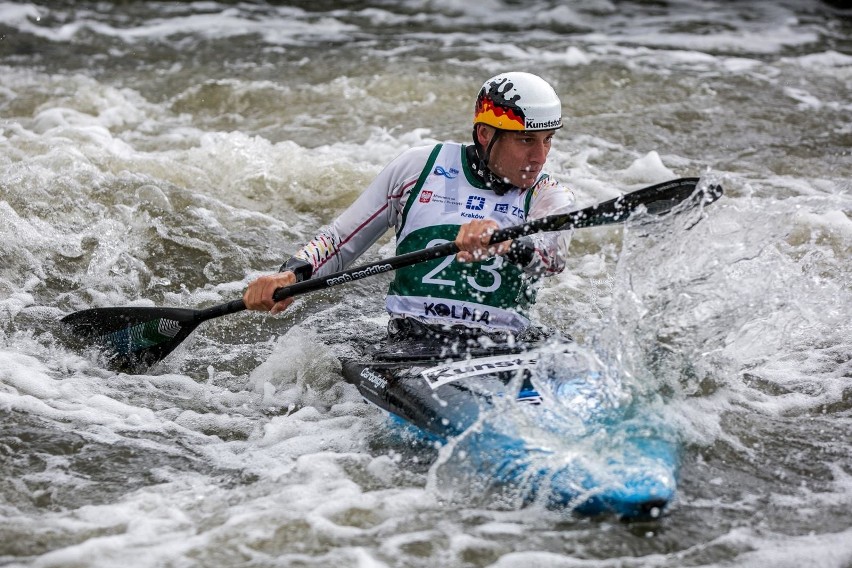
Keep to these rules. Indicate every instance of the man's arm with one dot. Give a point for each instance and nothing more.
(543, 254)
(357, 228)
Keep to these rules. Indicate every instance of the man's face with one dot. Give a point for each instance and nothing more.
(518, 156)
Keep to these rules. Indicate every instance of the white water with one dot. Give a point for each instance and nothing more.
(165, 154)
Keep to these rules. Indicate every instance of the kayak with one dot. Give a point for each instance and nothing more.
(551, 422)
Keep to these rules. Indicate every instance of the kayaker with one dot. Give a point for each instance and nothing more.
(451, 191)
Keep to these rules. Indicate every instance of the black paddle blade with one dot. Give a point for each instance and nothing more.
(655, 200)
(134, 338)
(683, 193)
(673, 195)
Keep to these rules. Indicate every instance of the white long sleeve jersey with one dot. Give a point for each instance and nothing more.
(388, 201)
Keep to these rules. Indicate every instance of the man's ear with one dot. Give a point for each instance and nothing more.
(483, 133)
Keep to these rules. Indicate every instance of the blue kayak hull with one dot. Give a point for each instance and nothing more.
(564, 438)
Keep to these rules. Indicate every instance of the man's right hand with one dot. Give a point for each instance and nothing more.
(473, 241)
(258, 295)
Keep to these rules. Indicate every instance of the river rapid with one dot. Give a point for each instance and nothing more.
(166, 153)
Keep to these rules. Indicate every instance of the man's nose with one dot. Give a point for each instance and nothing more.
(538, 152)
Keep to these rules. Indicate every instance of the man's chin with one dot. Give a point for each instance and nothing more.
(522, 181)
(526, 181)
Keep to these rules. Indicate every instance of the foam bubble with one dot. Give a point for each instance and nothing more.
(648, 169)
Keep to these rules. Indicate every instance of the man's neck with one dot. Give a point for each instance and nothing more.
(484, 174)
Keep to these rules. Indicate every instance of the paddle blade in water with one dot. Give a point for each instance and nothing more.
(682, 193)
(132, 338)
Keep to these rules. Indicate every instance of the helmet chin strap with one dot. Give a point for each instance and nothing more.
(496, 183)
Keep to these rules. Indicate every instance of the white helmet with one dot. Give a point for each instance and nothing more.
(518, 101)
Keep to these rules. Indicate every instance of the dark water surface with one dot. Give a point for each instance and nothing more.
(163, 153)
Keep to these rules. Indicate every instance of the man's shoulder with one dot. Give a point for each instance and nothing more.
(421, 152)
(426, 150)
(551, 192)
(548, 183)
(416, 156)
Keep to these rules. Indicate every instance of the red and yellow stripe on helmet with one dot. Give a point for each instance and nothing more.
(518, 101)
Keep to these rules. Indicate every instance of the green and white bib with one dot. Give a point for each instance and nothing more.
(491, 294)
